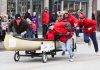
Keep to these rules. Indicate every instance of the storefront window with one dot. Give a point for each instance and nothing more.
(77, 5)
(84, 7)
(71, 5)
(37, 6)
(66, 5)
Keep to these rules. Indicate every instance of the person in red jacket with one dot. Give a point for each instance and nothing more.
(50, 35)
(62, 29)
(89, 27)
(72, 20)
(45, 21)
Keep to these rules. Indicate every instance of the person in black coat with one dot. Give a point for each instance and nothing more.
(53, 17)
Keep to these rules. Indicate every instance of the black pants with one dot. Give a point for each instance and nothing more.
(45, 28)
(77, 31)
(2, 34)
(36, 34)
(93, 38)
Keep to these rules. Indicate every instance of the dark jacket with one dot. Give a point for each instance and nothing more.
(53, 18)
(23, 26)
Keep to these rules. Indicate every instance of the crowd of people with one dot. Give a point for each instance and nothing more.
(59, 25)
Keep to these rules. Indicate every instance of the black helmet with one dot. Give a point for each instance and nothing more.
(50, 24)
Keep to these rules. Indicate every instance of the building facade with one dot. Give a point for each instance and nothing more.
(3, 7)
(21, 6)
(12, 7)
(17, 6)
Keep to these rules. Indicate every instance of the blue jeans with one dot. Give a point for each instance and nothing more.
(68, 46)
(93, 38)
(29, 34)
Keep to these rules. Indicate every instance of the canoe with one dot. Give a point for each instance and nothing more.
(12, 43)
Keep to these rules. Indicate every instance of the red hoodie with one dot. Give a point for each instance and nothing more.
(72, 20)
(60, 28)
(50, 35)
(88, 23)
(45, 18)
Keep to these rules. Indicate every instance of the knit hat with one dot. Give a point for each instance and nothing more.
(17, 16)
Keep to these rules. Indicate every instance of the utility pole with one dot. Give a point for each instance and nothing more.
(31, 6)
(90, 9)
(16, 6)
(62, 5)
(46, 4)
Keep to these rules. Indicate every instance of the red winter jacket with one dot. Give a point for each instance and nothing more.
(45, 18)
(60, 28)
(72, 20)
(50, 35)
(34, 26)
(88, 23)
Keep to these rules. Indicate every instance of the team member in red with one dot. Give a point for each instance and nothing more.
(71, 19)
(62, 29)
(50, 35)
(89, 26)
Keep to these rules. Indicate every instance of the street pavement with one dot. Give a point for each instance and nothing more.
(85, 59)
(1, 46)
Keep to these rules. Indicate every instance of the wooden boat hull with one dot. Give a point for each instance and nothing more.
(17, 44)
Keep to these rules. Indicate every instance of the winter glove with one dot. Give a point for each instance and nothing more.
(23, 33)
(89, 28)
(68, 26)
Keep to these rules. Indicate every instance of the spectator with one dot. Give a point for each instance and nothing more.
(28, 15)
(53, 17)
(45, 21)
(93, 15)
(0, 28)
(35, 21)
(33, 26)
(4, 26)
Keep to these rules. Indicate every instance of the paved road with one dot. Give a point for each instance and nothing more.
(85, 59)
